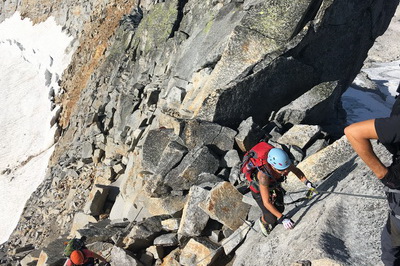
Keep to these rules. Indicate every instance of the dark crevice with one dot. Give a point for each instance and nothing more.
(130, 22)
(242, 76)
(261, 33)
(308, 16)
(211, 64)
(181, 5)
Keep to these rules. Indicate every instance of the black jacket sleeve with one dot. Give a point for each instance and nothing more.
(388, 130)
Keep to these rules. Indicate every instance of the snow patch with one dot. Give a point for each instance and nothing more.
(362, 104)
(33, 58)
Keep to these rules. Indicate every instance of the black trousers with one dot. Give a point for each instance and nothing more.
(390, 241)
(390, 238)
(278, 203)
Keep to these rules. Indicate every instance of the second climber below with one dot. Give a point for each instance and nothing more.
(266, 168)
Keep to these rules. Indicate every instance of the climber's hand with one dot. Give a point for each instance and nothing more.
(311, 193)
(392, 178)
(286, 222)
(312, 190)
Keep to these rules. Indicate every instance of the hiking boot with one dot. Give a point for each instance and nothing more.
(265, 227)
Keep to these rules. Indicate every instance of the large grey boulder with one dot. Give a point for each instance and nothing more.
(197, 161)
(300, 135)
(313, 107)
(231, 242)
(194, 219)
(171, 156)
(87, 152)
(125, 117)
(50, 255)
(121, 257)
(171, 225)
(153, 149)
(315, 147)
(199, 251)
(143, 234)
(165, 205)
(249, 134)
(101, 248)
(131, 201)
(230, 159)
(250, 41)
(99, 232)
(199, 133)
(166, 240)
(80, 221)
(97, 198)
(319, 165)
(154, 185)
(124, 208)
(138, 199)
(224, 204)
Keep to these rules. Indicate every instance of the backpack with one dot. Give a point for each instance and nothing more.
(73, 244)
(253, 160)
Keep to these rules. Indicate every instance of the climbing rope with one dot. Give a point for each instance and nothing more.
(330, 192)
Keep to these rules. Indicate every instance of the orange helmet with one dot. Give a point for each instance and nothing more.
(77, 257)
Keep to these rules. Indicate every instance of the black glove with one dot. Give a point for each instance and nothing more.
(107, 264)
(392, 178)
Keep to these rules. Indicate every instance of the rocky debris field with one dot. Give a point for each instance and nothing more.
(187, 212)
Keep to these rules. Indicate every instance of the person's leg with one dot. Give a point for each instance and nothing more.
(267, 216)
(279, 204)
(390, 242)
(267, 221)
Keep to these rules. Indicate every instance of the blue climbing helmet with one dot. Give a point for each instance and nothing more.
(278, 159)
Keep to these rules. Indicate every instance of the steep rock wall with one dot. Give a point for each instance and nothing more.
(168, 62)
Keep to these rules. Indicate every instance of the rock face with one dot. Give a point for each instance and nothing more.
(312, 106)
(300, 135)
(225, 205)
(194, 219)
(161, 97)
(253, 70)
(199, 252)
(319, 165)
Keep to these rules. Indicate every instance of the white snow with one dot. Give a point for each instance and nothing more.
(362, 105)
(33, 58)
